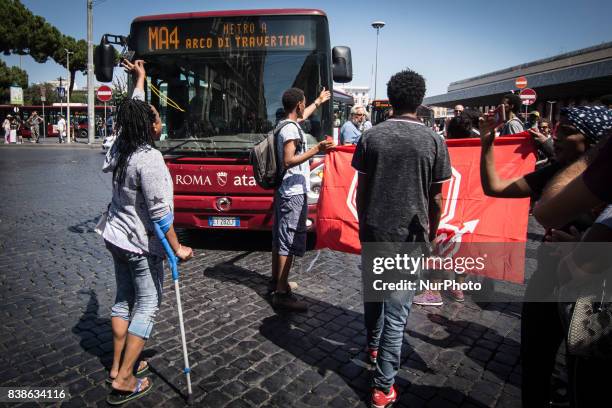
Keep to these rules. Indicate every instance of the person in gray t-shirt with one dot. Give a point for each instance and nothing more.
(142, 197)
(402, 165)
(512, 104)
(290, 204)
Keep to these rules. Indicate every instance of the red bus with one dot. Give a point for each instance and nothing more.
(216, 79)
(78, 117)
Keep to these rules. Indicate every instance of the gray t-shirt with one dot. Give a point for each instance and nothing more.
(297, 178)
(512, 127)
(401, 159)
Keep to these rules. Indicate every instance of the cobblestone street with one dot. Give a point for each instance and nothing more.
(58, 286)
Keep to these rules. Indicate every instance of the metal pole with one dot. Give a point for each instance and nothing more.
(103, 130)
(550, 111)
(61, 98)
(376, 64)
(377, 25)
(44, 123)
(68, 96)
(90, 74)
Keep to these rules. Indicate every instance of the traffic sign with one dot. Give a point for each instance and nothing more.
(104, 93)
(528, 96)
(521, 82)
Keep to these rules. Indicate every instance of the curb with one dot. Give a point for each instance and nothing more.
(52, 146)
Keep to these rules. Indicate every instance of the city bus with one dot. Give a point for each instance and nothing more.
(343, 103)
(380, 109)
(216, 79)
(78, 117)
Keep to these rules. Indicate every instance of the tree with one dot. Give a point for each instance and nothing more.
(21, 32)
(120, 90)
(25, 33)
(8, 77)
(32, 94)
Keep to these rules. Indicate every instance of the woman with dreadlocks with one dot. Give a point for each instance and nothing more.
(142, 197)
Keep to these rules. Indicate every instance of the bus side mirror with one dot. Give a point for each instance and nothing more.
(104, 61)
(342, 64)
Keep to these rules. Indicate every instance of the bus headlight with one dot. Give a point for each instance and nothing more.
(316, 177)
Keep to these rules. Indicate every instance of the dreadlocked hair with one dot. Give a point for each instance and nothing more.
(135, 120)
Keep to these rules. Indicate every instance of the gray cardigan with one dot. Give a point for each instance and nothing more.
(145, 196)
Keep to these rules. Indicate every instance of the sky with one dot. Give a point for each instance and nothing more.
(444, 41)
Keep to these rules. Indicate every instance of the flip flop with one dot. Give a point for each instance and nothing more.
(117, 397)
(139, 373)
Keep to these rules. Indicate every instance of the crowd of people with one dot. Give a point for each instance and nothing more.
(407, 163)
(14, 126)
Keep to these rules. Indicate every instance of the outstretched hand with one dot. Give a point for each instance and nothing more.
(487, 130)
(137, 68)
(325, 145)
(324, 96)
(539, 137)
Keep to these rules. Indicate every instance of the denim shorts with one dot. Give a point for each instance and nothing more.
(139, 280)
(289, 231)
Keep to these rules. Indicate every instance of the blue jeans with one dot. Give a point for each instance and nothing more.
(139, 288)
(385, 323)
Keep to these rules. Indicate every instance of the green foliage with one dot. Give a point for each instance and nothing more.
(22, 32)
(12, 75)
(8, 77)
(32, 94)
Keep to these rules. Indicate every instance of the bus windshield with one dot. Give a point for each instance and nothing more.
(227, 102)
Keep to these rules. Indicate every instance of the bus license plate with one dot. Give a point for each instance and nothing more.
(223, 221)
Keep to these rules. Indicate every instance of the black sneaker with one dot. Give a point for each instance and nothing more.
(288, 301)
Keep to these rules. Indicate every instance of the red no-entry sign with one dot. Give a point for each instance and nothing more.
(521, 82)
(104, 93)
(528, 96)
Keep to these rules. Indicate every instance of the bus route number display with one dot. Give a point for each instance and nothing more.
(221, 35)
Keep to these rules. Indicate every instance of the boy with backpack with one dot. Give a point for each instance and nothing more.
(290, 204)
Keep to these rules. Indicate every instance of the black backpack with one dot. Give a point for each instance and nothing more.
(264, 159)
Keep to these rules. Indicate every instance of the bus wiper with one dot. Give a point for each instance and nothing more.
(184, 143)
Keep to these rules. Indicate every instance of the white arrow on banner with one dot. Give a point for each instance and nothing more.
(351, 199)
(448, 246)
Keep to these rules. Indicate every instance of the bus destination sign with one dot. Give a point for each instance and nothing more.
(224, 34)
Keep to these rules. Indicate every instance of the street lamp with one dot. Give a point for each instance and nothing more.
(60, 95)
(377, 25)
(68, 93)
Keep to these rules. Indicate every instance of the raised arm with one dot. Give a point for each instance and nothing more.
(492, 184)
(138, 71)
(323, 97)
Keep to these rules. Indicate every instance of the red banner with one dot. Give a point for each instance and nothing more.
(468, 215)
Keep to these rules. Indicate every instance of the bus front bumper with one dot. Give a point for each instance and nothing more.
(244, 213)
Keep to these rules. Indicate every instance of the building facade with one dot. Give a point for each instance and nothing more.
(579, 77)
(361, 94)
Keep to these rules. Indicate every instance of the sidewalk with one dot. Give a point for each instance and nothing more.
(53, 142)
